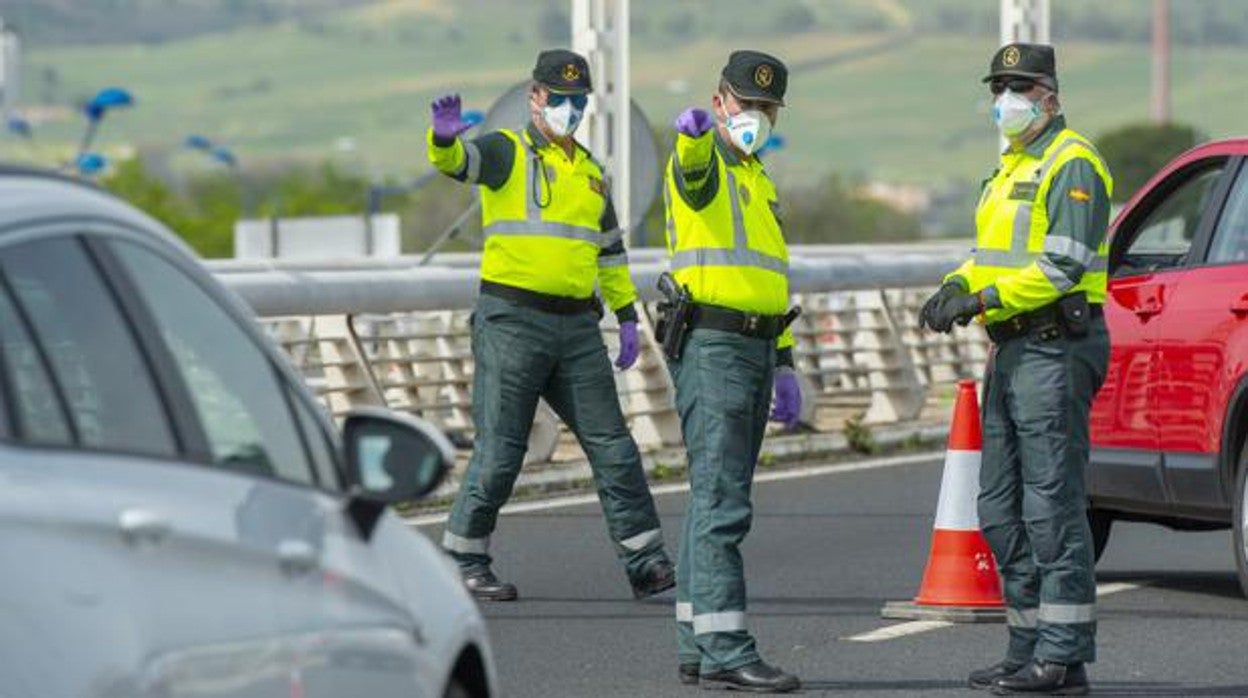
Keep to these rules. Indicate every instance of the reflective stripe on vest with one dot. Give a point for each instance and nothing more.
(1018, 255)
(740, 255)
(606, 261)
(534, 226)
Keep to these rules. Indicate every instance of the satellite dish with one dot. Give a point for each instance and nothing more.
(512, 111)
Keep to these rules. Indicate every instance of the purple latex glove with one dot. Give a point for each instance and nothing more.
(694, 122)
(630, 345)
(447, 119)
(788, 407)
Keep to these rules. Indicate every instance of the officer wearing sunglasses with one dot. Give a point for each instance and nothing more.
(551, 236)
(1037, 281)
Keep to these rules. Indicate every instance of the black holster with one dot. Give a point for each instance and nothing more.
(1069, 316)
(675, 317)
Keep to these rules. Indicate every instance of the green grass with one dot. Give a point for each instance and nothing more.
(913, 112)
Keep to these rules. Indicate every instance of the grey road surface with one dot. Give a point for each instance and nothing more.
(825, 553)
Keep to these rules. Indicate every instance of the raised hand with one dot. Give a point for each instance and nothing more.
(448, 121)
(694, 122)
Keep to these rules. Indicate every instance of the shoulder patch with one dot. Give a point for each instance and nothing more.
(1079, 194)
(597, 186)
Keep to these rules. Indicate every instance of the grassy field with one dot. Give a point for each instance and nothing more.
(910, 110)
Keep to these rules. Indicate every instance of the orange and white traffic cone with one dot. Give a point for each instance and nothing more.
(960, 583)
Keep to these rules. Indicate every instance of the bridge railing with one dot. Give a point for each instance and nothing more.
(387, 332)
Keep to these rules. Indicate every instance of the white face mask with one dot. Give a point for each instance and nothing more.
(1014, 113)
(563, 119)
(748, 130)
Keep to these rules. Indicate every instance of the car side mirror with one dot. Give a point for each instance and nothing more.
(391, 458)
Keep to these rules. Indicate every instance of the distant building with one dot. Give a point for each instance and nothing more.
(911, 198)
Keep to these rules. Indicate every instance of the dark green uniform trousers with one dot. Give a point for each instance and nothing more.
(723, 393)
(522, 354)
(1032, 493)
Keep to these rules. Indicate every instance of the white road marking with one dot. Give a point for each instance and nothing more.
(892, 632)
(675, 487)
(1109, 588)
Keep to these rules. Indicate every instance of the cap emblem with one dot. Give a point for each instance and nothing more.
(763, 75)
(571, 72)
(1010, 58)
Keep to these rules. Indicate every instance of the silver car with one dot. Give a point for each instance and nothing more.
(178, 518)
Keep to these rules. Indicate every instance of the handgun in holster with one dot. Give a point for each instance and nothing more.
(790, 317)
(675, 316)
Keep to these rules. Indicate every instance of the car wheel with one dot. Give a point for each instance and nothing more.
(1100, 522)
(1240, 521)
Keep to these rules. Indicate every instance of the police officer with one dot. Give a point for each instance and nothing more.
(551, 234)
(1037, 281)
(728, 251)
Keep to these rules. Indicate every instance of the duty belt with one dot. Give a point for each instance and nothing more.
(714, 317)
(559, 305)
(1046, 323)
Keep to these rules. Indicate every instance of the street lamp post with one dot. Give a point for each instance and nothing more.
(104, 101)
(225, 156)
(90, 164)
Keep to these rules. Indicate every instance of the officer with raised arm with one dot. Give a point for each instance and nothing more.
(551, 235)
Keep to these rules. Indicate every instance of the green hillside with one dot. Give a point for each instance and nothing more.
(879, 88)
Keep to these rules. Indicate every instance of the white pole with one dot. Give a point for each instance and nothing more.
(588, 40)
(600, 33)
(1025, 21)
(621, 162)
(1161, 62)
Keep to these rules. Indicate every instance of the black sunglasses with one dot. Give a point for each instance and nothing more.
(578, 101)
(1012, 84)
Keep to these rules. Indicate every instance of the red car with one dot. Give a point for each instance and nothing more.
(1169, 427)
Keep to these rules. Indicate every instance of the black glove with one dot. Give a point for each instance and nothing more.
(961, 309)
(928, 314)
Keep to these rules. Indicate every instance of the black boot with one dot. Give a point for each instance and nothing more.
(485, 586)
(655, 578)
(689, 674)
(986, 677)
(1044, 678)
(758, 677)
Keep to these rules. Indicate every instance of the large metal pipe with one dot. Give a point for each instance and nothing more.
(278, 292)
(637, 255)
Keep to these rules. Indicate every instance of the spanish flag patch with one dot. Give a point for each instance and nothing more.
(1080, 195)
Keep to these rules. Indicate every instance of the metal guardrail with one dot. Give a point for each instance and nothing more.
(387, 332)
(294, 287)
(472, 260)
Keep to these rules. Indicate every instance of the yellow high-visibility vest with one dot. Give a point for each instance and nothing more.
(1012, 224)
(730, 253)
(542, 226)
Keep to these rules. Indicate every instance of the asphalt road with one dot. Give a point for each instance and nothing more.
(825, 553)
